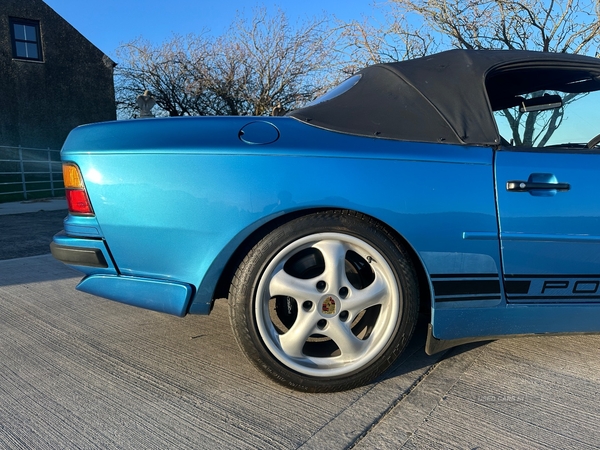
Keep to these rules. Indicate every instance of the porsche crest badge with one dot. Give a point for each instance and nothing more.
(328, 306)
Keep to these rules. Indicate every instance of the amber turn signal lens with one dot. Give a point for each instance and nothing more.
(72, 177)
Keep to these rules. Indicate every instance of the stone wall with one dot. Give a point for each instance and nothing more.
(41, 101)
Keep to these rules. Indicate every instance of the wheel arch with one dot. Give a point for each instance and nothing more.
(222, 286)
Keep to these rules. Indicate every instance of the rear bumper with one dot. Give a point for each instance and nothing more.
(78, 256)
(91, 256)
(88, 255)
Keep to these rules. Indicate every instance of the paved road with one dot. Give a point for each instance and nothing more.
(26, 228)
(77, 371)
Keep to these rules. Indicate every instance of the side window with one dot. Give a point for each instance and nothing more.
(26, 43)
(573, 124)
(545, 106)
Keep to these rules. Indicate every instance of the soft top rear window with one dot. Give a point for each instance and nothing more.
(340, 89)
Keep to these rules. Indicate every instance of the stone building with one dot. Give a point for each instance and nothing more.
(52, 79)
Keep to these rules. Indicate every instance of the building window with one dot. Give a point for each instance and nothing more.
(26, 39)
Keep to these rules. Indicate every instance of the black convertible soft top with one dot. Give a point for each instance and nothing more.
(448, 97)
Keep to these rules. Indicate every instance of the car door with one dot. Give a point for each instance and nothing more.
(549, 221)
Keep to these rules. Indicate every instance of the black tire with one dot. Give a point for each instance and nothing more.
(315, 324)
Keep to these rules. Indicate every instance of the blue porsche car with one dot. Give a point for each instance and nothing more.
(463, 184)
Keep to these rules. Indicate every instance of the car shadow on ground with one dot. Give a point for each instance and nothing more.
(29, 234)
(29, 270)
(414, 357)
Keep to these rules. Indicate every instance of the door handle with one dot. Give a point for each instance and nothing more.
(526, 186)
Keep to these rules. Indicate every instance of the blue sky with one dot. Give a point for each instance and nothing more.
(108, 23)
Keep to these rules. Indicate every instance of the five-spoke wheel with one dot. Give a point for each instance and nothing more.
(325, 302)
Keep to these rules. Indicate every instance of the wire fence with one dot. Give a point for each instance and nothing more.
(30, 173)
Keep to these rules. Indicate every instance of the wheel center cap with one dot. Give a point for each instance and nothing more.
(328, 306)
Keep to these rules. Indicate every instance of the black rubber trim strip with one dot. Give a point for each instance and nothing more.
(466, 299)
(517, 286)
(466, 287)
(569, 276)
(464, 275)
(78, 256)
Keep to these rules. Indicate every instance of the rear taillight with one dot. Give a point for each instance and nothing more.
(77, 198)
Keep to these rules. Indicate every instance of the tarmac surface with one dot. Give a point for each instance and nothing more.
(26, 228)
(78, 371)
(30, 206)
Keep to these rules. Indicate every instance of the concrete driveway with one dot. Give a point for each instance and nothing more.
(77, 371)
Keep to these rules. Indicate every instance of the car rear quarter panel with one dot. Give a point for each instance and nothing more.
(174, 198)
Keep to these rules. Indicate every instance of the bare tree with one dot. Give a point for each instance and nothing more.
(423, 26)
(370, 42)
(261, 63)
(160, 69)
(563, 26)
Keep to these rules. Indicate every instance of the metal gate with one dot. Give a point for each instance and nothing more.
(29, 173)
